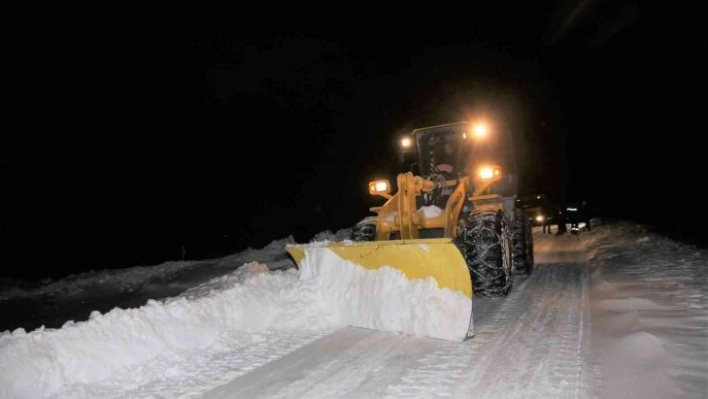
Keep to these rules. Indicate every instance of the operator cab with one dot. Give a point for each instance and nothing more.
(453, 150)
(439, 150)
(440, 153)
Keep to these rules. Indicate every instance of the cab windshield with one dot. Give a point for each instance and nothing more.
(439, 152)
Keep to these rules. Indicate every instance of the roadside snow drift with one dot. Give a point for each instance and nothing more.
(217, 316)
(223, 314)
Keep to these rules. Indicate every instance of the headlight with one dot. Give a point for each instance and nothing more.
(539, 218)
(489, 172)
(406, 143)
(379, 187)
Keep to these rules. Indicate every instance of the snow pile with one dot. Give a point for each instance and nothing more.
(385, 299)
(225, 313)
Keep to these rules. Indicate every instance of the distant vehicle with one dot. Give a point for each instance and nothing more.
(577, 214)
(536, 207)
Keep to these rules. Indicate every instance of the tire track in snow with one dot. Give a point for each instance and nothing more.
(221, 367)
(345, 363)
(530, 344)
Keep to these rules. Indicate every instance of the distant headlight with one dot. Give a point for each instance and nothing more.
(406, 143)
(540, 218)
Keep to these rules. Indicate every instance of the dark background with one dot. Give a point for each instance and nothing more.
(125, 139)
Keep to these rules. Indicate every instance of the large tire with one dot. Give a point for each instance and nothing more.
(486, 248)
(521, 243)
(365, 230)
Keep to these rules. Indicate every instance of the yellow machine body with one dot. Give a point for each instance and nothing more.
(402, 246)
(416, 259)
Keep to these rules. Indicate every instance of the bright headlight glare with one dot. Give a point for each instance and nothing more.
(539, 218)
(379, 186)
(489, 172)
(486, 173)
(406, 142)
(480, 130)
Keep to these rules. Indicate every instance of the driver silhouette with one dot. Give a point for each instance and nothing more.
(445, 160)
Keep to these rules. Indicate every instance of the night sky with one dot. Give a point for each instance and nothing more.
(126, 139)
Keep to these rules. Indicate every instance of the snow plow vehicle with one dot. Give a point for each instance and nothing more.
(450, 231)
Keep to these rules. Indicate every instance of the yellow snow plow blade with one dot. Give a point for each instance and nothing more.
(417, 287)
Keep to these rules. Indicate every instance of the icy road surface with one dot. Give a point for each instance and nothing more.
(532, 344)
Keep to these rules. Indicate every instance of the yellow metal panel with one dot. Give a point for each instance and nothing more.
(438, 258)
(297, 252)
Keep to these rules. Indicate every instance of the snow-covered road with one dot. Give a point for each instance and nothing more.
(533, 343)
(619, 312)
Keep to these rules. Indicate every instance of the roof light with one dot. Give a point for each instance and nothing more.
(480, 130)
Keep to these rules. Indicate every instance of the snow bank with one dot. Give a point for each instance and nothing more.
(123, 280)
(251, 300)
(226, 313)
